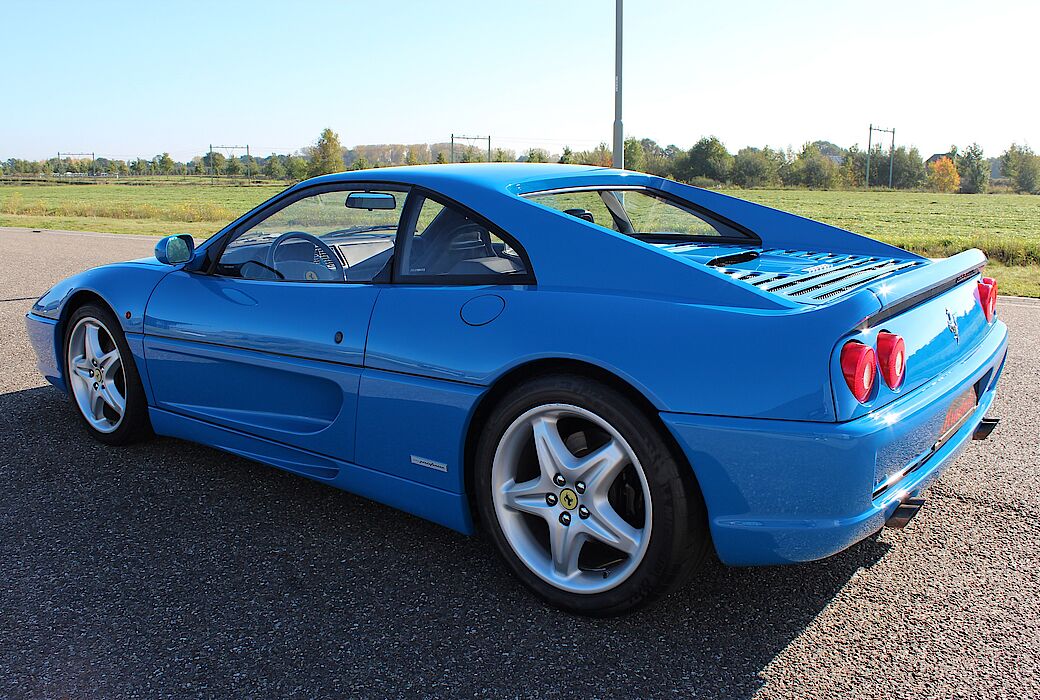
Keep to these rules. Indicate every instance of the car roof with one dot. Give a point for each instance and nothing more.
(512, 177)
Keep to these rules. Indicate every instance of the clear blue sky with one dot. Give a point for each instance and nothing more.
(127, 79)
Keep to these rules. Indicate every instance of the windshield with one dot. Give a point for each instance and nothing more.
(641, 213)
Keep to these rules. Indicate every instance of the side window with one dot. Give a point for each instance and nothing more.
(448, 245)
(642, 213)
(587, 205)
(649, 214)
(340, 236)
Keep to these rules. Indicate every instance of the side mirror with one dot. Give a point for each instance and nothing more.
(371, 200)
(174, 250)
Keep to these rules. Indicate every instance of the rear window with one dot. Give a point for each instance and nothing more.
(641, 213)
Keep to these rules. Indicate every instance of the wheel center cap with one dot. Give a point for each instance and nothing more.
(568, 499)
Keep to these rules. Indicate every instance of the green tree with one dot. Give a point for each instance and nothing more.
(635, 157)
(536, 155)
(854, 167)
(908, 171)
(328, 154)
(296, 168)
(753, 167)
(973, 170)
(233, 167)
(1022, 166)
(1027, 175)
(810, 168)
(503, 155)
(850, 172)
(442, 158)
(567, 156)
(214, 162)
(165, 164)
(658, 160)
(361, 163)
(274, 169)
(601, 155)
(411, 158)
(708, 158)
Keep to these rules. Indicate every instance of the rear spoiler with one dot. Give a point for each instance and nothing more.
(918, 285)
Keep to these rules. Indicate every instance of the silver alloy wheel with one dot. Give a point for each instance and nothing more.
(96, 375)
(575, 493)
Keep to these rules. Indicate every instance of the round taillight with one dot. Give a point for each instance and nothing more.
(988, 297)
(891, 352)
(859, 365)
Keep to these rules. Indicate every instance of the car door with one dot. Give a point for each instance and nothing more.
(448, 313)
(270, 341)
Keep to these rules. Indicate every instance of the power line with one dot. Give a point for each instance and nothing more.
(69, 155)
(455, 137)
(229, 149)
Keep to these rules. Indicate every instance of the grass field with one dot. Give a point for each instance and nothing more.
(1006, 226)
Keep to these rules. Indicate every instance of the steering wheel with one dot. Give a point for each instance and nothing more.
(302, 270)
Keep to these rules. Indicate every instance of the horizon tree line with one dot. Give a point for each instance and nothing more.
(708, 163)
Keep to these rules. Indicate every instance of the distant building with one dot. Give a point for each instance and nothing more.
(939, 156)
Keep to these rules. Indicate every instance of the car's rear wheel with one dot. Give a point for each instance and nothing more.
(102, 378)
(583, 498)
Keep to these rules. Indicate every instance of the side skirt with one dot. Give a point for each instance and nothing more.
(428, 502)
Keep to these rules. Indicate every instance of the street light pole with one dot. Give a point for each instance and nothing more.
(619, 130)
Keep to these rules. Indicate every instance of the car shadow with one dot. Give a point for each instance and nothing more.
(170, 568)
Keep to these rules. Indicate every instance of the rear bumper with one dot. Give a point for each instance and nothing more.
(42, 335)
(790, 491)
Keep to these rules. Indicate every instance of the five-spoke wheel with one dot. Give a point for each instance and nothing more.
(101, 377)
(96, 375)
(571, 498)
(583, 496)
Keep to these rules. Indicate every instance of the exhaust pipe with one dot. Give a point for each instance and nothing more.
(904, 513)
(985, 428)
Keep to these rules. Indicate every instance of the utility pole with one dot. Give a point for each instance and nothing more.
(451, 150)
(619, 129)
(891, 153)
(489, 148)
(866, 179)
(891, 157)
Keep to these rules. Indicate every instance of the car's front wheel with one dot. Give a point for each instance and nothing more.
(583, 498)
(102, 378)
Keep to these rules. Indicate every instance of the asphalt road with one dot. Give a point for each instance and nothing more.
(172, 570)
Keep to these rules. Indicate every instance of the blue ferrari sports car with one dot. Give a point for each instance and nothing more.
(608, 372)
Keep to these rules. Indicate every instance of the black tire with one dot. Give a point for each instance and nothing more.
(679, 534)
(135, 425)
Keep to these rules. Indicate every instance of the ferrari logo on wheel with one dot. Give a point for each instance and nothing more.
(312, 275)
(568, 499)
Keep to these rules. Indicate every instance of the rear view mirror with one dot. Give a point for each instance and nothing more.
(174, 250)
(371, 200)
